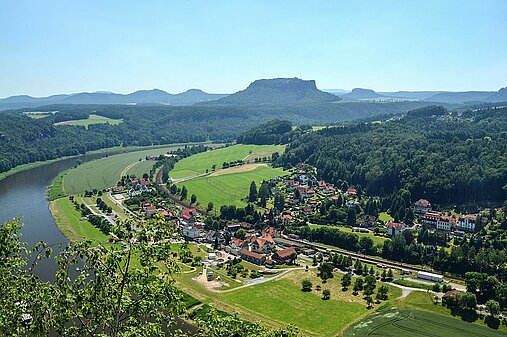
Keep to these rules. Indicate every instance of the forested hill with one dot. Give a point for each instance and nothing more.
(447, 158)
(153, 125)
(279, 91)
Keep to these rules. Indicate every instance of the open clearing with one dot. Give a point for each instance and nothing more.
(377, 240)
(201, 162)
(105, 172)
(411, 322)
(92, 119)
(228, 189)
(237, 169)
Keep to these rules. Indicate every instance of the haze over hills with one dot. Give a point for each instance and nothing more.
(154, 96)
(360, 93)
(279, 91)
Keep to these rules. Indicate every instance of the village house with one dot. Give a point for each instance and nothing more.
(351, 192)
(193, 232)
(236, 246)
(262, 245)
(422, 206)
(430, 218)
(270, 231)
(287, 255)
(321, 184)
(307, 210)
(467, 222)
(446, 223)
(329, 189)
(233, 228)
(214, 236)
(394, 228)
(189, 215)
(252, 257)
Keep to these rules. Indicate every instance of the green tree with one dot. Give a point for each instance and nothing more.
(493, 307)
(468, 301)
(306, 285)
(351, 216)
(346, 281)
(184, 192)
(382, 293)
(326, 294)
(210, 206)
(193, 199)
(252, 196)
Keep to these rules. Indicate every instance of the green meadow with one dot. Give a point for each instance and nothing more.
(228, 189)
(201, 162)
(92, 119)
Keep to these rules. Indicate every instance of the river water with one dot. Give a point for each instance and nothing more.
(23, 195)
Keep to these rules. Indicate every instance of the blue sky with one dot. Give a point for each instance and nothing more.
(49, 47)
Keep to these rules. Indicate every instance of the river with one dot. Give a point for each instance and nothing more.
(23, 194)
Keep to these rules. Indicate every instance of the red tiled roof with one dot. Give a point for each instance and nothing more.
(188, 213)
(395, 225)
(251, 254)
(285, 253)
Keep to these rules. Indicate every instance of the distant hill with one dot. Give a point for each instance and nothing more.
(500, 96)
(154, 96)
(360, 93)
(461, 97)
(279, 91)
(411, 94)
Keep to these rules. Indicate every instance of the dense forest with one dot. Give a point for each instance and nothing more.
(25, 140)
(446, 157)
(272, 132)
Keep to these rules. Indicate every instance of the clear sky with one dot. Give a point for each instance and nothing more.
(49, 47)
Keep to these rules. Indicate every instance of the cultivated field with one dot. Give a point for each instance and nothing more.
(92, 119)
(201, 162)
(411, 322)
(105, 172)
(228, 189)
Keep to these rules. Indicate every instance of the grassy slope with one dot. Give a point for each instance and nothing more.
(198, 163)
(105, 172)
(377, 240)
(92, 119)
(228, 189)
(69, 223)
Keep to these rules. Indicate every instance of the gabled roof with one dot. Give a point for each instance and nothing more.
(188, 213)
(423, 203)
(395, 225)
(251, 254)
(285, 253)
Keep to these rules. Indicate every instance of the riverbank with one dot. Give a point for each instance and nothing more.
(105, 151)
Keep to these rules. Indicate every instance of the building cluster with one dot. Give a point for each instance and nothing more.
(442, 222)
(134, 187)
(258, 247)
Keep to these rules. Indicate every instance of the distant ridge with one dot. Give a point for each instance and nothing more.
(279, 91)
(153, 96)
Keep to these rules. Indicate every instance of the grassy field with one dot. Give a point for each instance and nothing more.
(283, 302)
(92, 119)
(228, 189)
(105, 172)
(411, 322)
(385, 217)
(198, 163)
(377, 240)
(69, 223)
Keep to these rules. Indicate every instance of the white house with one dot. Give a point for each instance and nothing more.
(446, 223)
(192, 232)
(394, 228)
(422, 206)
(467, 222)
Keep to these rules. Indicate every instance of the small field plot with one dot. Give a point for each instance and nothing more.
(411, 322)
(228, 189)
(92, 119)
(283, 302)
(105, 172)
(377, 240)
(201, 162)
